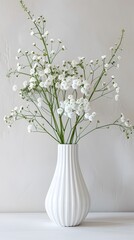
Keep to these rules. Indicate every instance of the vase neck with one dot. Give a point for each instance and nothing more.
(67, 152)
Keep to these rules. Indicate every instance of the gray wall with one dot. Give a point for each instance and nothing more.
(27, 161)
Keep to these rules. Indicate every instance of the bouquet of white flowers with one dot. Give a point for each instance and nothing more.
(58, 98)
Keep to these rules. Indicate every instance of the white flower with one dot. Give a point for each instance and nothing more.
(81, 58)
(32, 79)
(90, 118)
(83, 90)
(39, 99)
(113, 77)
(73, 63)
(17, 58)
(45, 34)
(39, 104)
(106, 65)
(115, 85)
(18, 68)
(68, 108)
(60, 111)
(74, 86)
(70, 114)
(86, 115)
(25, 84)
(103, 57)
(32, 71)
(52, 52)
(78, 112)
(117, 89)
(117, 66)
(126, 124)
(116, 97)
(111, 48)
(70, 96)
(34, 57)
(32, 33)
(119, 57)
(15, 108)
(59, 40)
(20, 109)
(29, 128)
(122, 119)
(32, 85)
(87, 107)
(86, 85)
(51, 40)
(14, 88)
(91, 61)
(93, 114)
(19, 50)
(47, 70)
(63, 47)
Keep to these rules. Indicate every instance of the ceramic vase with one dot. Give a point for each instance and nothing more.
(67, 202)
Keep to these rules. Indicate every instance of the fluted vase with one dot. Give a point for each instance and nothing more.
(67, 202)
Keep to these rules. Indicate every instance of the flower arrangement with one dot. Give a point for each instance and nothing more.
(58, 99)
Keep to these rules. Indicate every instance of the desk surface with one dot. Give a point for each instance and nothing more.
(37, 226)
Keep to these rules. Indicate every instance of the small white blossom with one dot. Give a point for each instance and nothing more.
(18, 68)
(39, 104)
(70, 114)
(126, 123)
(32, 33)
(111, 48)
(117, 90)
(70, 96)
(29, 128)
(73, 63)
(119, 57)
(103, 57)
(19, 50)
(60, 111)
(81, 58)
(117, 66)
(90, 118)
(45, 34)
(93, 114)
(39, 99)
(32, 71)
(63, 47)
(25, 83)
(113, 77)
(47, 70)
(91, 61)
(116, 97)
(14, 88)
(34, 57)
(51, 40)
(52, 52)
(115, 85)
(106, 65)
(86, 115)
(59, 40)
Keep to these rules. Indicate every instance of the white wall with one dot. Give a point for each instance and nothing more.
(27, 162)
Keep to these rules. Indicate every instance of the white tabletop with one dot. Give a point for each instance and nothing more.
(37, 226)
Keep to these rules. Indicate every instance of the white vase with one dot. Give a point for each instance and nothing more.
(67, 201)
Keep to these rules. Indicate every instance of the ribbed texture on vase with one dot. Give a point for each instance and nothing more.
(67, 201)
